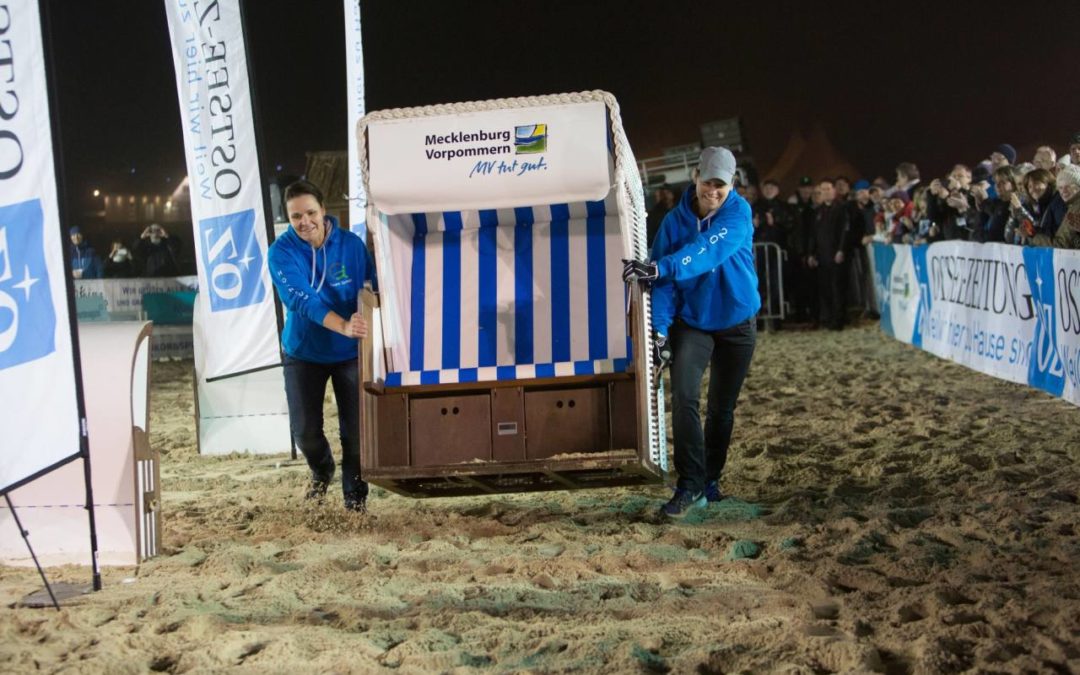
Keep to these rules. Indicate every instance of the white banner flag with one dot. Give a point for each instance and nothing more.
(227, 207)
(553, 154)
(354, 70)
(980, 312)
(40, 413)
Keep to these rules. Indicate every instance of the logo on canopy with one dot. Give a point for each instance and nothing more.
(530, 139)
(27, 315)
(233, 260)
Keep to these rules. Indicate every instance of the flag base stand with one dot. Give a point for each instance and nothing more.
(26, 538)
(54, 595)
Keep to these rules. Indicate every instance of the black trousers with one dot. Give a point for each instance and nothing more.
(832, 293)
(305, 387)
(803, 291)
(700, 455)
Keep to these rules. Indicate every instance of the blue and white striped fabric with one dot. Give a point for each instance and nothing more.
(508, 294)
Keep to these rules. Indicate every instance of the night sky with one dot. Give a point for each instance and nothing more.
(925, 82)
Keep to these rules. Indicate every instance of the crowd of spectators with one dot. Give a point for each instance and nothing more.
(153, 255)
(825, 226)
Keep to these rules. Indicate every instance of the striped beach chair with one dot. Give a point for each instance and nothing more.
(507, 354)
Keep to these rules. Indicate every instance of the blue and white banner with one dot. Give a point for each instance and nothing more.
(40, 415)
(1008, 311)
(354, 73)
(227, 208)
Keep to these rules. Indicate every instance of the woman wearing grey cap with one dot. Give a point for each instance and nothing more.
(704, 303)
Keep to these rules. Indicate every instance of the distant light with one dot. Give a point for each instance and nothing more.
(277, 168)
(168, 179)
(132, 170)
(97, 193)
(168, 204)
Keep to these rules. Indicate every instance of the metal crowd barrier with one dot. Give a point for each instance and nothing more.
(769, 259)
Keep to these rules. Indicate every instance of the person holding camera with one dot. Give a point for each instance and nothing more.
(949, 205)
(157, 251)
(704, 306)
(119, 264)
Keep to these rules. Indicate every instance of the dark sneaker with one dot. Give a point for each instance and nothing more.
(712, 492)
(317, 490)
(356, 504)
(682, 502)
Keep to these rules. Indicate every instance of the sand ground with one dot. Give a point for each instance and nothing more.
(893, 512)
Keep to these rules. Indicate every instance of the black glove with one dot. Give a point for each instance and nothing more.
(661, 352)
(636, 270)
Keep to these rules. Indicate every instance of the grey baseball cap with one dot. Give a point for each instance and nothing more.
(717, 164)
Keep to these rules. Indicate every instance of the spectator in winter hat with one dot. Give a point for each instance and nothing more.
(84, 260)
(1003, 155)
(1068, 185)
(803, 194)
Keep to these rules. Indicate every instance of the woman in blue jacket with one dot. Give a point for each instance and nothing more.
(704, 306)
(318, 270)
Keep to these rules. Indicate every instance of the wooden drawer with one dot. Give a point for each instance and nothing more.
(391, 431)
(622, 397)
(450, 429)
(507, 424)
(564, 421)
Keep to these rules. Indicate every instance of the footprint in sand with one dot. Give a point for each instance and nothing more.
(911, 613)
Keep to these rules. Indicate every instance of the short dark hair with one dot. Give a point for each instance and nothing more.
(303, 187)
(770, 181)
(830, 181)
(908, 169)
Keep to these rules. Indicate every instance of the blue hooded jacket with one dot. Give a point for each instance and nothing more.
(706, 272)
(312, 283)
(84, 258)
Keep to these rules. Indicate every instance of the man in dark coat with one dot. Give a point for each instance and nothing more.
(664, 201)
(772, 225)
(804, 277)
(828, 249)
(861, 213)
